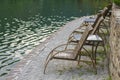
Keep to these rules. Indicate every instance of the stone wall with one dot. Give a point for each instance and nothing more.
(114, 41)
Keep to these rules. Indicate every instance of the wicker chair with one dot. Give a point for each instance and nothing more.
(71, 52)
(106, 12)
(93, 39)
(76, 34)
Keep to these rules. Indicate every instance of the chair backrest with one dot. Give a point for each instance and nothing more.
(82, 41)
(109, 6)
(96, 26)
(100, 18)
(106, 10)
(96, 20)
(104, 13)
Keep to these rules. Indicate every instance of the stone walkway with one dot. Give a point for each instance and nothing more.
(31, 67)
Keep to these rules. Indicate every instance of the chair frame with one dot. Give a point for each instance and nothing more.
(76, 51)
(96, 26)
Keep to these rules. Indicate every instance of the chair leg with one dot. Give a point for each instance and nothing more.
(104, 48)
(93, 57)
(96, 47)
(46, 63)
(67, 44)
(94, 64)
(93, 61)
(79, 57)
(93, 52)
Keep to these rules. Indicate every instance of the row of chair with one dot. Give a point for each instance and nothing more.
(86, 34)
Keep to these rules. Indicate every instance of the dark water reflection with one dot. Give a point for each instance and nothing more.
(27, 8)
(26, 23)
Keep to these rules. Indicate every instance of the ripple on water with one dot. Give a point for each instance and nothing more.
(20, 37)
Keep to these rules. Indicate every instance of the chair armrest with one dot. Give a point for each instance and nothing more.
(63, 47)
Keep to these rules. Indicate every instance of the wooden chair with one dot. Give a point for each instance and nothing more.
(71, 52)
(83, 27)
(93, 39)
(106, 12)
(76, 34)
(92, 21)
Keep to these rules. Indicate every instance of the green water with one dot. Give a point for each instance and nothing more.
(24, 24)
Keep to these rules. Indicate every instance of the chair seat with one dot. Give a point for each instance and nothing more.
(81, 30)
(77, 36)
(69, 52)
(94, 38)
(91, 20)
(64, 54)
(90, 37)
